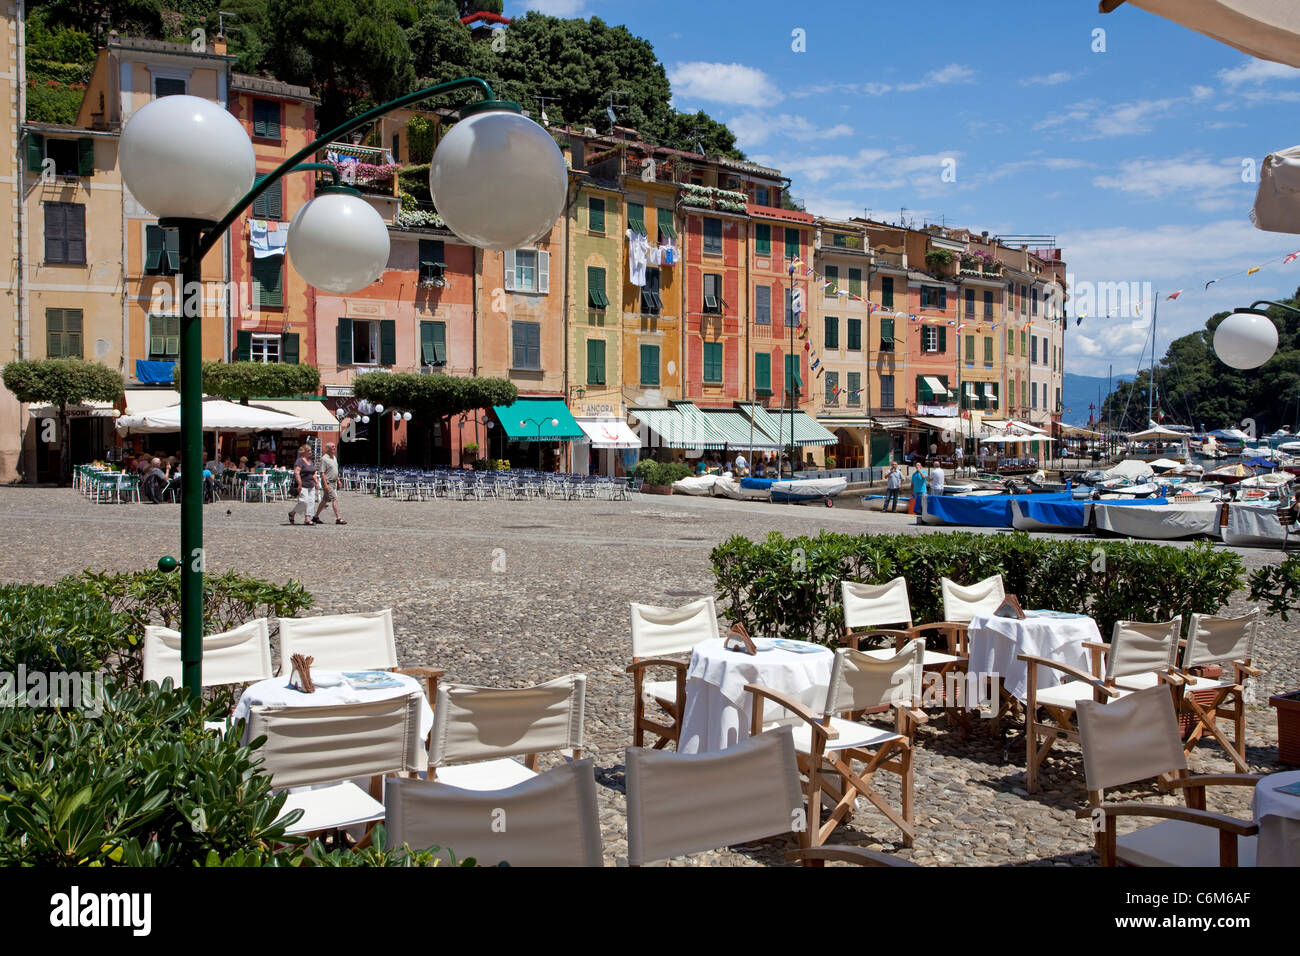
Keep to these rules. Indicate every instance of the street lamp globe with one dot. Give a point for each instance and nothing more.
(379, 409)
(406, 416)
(497, 178)
(338, 242)
(184, 157)
(1245, 339)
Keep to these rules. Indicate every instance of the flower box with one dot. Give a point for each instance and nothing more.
(656, 489)
(1288, 726)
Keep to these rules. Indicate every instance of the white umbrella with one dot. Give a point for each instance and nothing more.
(1277, 200)
(217, 416)
(1151, 434)
(1268, 29)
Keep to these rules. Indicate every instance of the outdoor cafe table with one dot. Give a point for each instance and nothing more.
(718, 709)
(995, 644)
(1278, 816)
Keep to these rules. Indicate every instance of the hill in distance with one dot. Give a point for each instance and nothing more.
(1077, 391)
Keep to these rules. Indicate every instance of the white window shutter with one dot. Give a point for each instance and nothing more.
(543, 272)
(510, 270)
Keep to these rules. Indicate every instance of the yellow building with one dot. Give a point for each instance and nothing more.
(12, 108)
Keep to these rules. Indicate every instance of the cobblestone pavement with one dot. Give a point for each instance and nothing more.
(515, 592)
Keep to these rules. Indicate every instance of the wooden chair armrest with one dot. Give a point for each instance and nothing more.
(860, 855)
(855, 640)
(1095, 645)
(430, 675)
(1204, 817)
(919, 716)
(953, 631)
(1172, 677)
(1072, 671)
(656, 662)
(1246, 669)
(1212, 780)
(795, 707)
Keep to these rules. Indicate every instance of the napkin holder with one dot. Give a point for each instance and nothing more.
(738, 639)
(300, 676)
(1010, 607)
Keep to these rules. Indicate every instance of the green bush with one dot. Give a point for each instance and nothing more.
(652, 472)
(790, 587)
(1278, 586)
(60, 627)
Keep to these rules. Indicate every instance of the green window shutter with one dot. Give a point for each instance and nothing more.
(171, 329)
(387, 342)
(887, 291)
(596, 214)
(54, 333)
(267, 205)
(596, 287)
(713, 362)
(35, 152)
(943, 339)
(266, 119)
(649, 365)
(970, 348)
(664, 219)
(172, 250)
(267, 279)
(153, 247)
(289, 348)
(887, 335)
(595, 361)
(988, 350)
(1011, 342)
(636, 218)
(855, 282)
(832, 281)
(763, 373)
(855, 335)
(1024, 342)
(763, 239)
(791, 243)
(343, 338)
(85, 156)
(924, 396)
(855, 386)
(832, 332)
(72, 333)
(792, 380)
(244, 343)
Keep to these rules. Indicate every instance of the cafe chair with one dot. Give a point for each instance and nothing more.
(843, 853)
(660, 637)
(688, 803)
(1229, 643)
(324, 748)
(479, 731)
(828, 743)
(1139, 656)
(1136, 738)
(961, 603)
(362, 641)
(551, 819)
(238, 656)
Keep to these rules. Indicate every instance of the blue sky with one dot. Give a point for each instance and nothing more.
(1132, 157)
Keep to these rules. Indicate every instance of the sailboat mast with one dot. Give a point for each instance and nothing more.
(1151, 385)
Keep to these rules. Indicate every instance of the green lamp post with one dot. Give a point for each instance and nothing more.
(497, 178)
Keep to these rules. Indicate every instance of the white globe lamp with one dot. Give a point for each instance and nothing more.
(184, 157)
(1246, 339)
(338, 242)
(497, 178)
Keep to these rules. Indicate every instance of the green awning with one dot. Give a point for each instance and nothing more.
(739, 431)
(529, 420)
(681, 425)
(777, 423)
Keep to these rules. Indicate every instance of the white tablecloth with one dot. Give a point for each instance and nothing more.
(718, 710)
(1278, 816)
(276, 691)
(996, 643)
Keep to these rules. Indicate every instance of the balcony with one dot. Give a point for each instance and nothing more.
(369, 170)
(886, 258)
(708, 197)
(615, 162)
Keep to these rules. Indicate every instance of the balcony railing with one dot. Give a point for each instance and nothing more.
(884, 257)
(367, 168)
(708, 197)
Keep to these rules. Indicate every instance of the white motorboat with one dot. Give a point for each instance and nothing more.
(728, 487)
(803, 489)
(694, 485)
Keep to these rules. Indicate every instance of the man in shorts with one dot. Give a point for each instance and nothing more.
(331, 484)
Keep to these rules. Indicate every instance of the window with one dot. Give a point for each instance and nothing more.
(636, 218)
(1044, 362)
(789, 317)
(526, 345)
(1011, 342)
(886, 391)
(1024, 298)
(433, 262)
(763, 305)
(712, 293)
(433, 343)
(596, 214)
(268, 205)
(1058, 399)
(72, 157)
(651, 302)
(793, 381)
(268, 275)
(934, 297)
(791, 243)
(165, 338)
(713, 362)
(65, 233)
(595, 361)
(1035, 299)
(855, 388)
(397, 143)
(970, 303)
(855, 335)
(832, 388)
(1033, 394)
(1024, 393)
(762, 374)
(988, 351)
(266, 121)
(855, 282)
(650, 365)
(712, 236)
(991, 396)
(166, 86)
(367, 342)
(887, 291)
(1033, 354)
(886, 335)
(934, 338)
(970, 350)
(1053, 357)
(264, 348)
(988, 304)
(832, 339)
(763, 239)
(1024, 348)
(162, 251)
(832, 281)
(596, 288)
(63, 333)
(528, 270)
(664, 220)
(761, 196)
(839, 239)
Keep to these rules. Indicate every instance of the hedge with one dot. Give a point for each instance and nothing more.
(790, 587)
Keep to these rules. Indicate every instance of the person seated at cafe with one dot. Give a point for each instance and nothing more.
(243, 463)
(701, 466)
(156, 480)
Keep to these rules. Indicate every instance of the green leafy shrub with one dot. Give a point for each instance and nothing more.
(653, 472)
(1278, 586)
(790, 587)
(60, 627)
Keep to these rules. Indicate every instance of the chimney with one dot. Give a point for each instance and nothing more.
(219, 45)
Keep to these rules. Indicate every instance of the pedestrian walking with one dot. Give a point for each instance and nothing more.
(958, 456)
(307, 482)
(893, 481)
(331, 484)
(935, 480)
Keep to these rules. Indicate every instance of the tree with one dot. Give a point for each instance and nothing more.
(62, 382)
(433, 398)
(696, 132)
(240, 381)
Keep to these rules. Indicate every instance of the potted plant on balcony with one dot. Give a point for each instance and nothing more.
(1278, 587)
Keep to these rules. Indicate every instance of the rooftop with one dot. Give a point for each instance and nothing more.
(262, 84)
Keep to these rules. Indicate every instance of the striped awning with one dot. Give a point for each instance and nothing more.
(740, 431)
(778, 423)
(681, 425)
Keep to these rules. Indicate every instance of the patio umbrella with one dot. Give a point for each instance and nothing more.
(217, 416)
(1277, 199)
(1268, 29)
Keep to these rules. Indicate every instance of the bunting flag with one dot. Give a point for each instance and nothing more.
(1174, 295)
(1251, 272)
(1291, 258)
(807, 346)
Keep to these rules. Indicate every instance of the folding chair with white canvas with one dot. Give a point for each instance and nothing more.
(1139, 656)
(238, 656)
(828, 743)
(659, 633)
(1227, 642)
(324, 748)
(1136, 738)
(478, 731)
(686, 803)
(551, 819)
(349, 642)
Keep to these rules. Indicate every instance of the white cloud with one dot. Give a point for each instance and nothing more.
(723, 83)
(1256, 71)
(1202, 92)
(944, 76)
(952, 73)
(1048, 79)
(752, 128)
(1020, 166)
(1093, 119)
(1207, 183)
